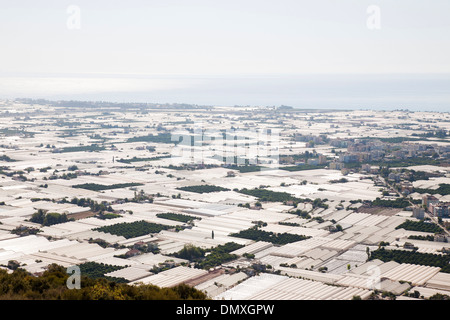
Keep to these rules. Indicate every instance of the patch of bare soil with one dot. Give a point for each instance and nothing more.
(381, 211)
(205, 277)
(81, 215)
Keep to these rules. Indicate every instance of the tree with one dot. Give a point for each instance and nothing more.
(13, 264)
(38, 217)
(190, 252)
(54, 218)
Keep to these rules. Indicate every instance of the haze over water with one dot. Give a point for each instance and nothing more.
(416, 92)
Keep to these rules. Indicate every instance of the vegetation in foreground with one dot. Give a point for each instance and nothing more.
(52, 285)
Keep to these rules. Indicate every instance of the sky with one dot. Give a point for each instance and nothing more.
(67, 42)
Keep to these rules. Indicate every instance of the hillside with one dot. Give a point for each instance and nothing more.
(51, 285)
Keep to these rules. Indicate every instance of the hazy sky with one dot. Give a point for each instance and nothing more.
(224, 37)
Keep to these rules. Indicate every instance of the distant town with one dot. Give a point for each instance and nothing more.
(237, 203)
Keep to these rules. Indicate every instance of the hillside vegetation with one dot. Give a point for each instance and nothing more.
(51, 285)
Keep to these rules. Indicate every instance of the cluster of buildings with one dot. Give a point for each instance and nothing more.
(435, 206)
(360, 150)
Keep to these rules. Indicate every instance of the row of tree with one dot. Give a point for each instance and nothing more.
(397, 203)
(276, 238)
(266, 195)
(208, 258)
(97, 270)
(92, 204)
(133, 229)
(412, 257)
(177, 217)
